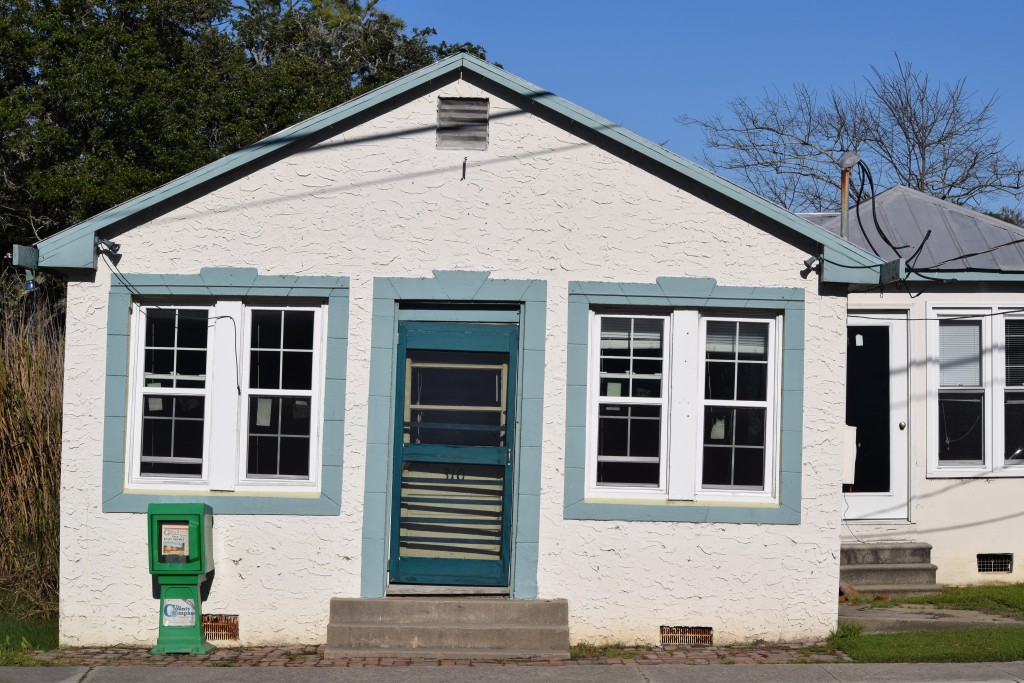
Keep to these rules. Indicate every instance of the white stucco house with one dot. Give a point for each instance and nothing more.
(459, 335)
(935, 382)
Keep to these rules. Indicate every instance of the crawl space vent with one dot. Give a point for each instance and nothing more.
(995, 562)
(220, 626)
(686, 635)
(462, 123)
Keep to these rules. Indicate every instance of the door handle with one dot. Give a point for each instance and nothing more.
(903, 425)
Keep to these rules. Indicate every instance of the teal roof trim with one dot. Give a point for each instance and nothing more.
(74, 247)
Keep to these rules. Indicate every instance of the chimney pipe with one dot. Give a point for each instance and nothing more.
(846, 164)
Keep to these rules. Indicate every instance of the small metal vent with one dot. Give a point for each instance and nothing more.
(462, 123)
(220, 626)
(995, 562)
(686, 635)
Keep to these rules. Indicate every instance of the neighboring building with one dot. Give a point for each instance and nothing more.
(522, 352)
(936, 386)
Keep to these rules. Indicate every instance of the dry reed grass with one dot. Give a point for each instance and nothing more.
(31, 389)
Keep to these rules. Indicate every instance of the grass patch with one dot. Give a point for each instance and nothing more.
(965, 645)
(585, 650)
(20, 636)
(1007, 599)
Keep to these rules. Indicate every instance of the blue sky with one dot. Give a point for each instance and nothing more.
(644, 64)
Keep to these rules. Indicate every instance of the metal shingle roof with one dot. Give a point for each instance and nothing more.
(906, 215)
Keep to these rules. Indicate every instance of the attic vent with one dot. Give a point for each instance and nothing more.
(220, 626)
(462, 123)
(686, 635)
(995, 562)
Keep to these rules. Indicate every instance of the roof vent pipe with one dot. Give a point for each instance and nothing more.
(846, 164)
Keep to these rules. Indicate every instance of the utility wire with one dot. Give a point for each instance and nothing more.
(116, 272)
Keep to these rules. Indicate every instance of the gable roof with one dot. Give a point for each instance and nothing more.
(961, 239)
(74, 248)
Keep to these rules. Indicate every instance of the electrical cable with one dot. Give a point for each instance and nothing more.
(116, 272)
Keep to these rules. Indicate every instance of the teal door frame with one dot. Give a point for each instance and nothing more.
(466, 337)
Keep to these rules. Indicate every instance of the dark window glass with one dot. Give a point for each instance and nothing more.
(628, 474)
(1014, 422)
(266, 330)
(961, 426)
(265, 370)
(192, 329)
(160, 326)
(172, 434)
(298, 330)
(279, 429)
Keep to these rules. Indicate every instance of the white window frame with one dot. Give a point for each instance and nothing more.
(993, 380)
(226, 400)
(681, 453)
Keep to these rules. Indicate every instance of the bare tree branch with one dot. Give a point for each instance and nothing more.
(939, 139)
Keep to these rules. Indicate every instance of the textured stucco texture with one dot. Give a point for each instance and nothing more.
(540, 203)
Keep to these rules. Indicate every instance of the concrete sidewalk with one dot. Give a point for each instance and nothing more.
(621, 673)
(919, 618)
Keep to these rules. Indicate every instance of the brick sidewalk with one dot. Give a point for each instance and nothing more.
(313, 655)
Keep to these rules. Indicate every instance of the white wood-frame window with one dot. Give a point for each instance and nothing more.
(226, 396)
(683, 405)
(975, 391)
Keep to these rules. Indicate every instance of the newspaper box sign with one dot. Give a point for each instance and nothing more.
(179, 612)
(173, 542)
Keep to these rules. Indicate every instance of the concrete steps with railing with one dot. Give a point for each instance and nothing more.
(447, 627)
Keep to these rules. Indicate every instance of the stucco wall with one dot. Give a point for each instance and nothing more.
(540, 203)
(960, 517)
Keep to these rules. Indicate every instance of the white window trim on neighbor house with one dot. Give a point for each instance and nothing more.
(682, 433)
(226, 392)
(992, 318)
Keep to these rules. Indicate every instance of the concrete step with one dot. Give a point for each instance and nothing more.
(884, 553)
(895, 574)
(447, 638)
(448, 610)
(448, 627)
(869, 591)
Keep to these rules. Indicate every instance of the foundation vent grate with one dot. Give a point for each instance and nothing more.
(686, 635)
(220, 626)
(995, 563)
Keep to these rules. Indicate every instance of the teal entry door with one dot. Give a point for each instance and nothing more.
(454, 425)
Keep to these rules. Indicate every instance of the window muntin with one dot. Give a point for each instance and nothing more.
(631, 401)
(660, 427)
(174, 392)
(280, 392)
(1013, 397)
(253, 372)
(736, 371)
(976, 391)
(961, 392)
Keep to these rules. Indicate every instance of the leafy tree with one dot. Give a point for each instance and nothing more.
(936, 138)
(103, 100)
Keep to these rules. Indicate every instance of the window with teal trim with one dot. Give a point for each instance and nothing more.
(226, 395)
(684, 405)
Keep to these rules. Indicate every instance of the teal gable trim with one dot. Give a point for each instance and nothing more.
(226, 282)
(461, 288)
(685, 293)
(74, 248)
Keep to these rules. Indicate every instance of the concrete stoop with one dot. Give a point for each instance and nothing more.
(888, 568)
(447, 628)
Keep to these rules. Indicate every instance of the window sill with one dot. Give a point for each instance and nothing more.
(976, 473)
(682, 511)
(229, 503)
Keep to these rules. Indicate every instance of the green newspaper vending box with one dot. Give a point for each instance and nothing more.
(180, 556)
